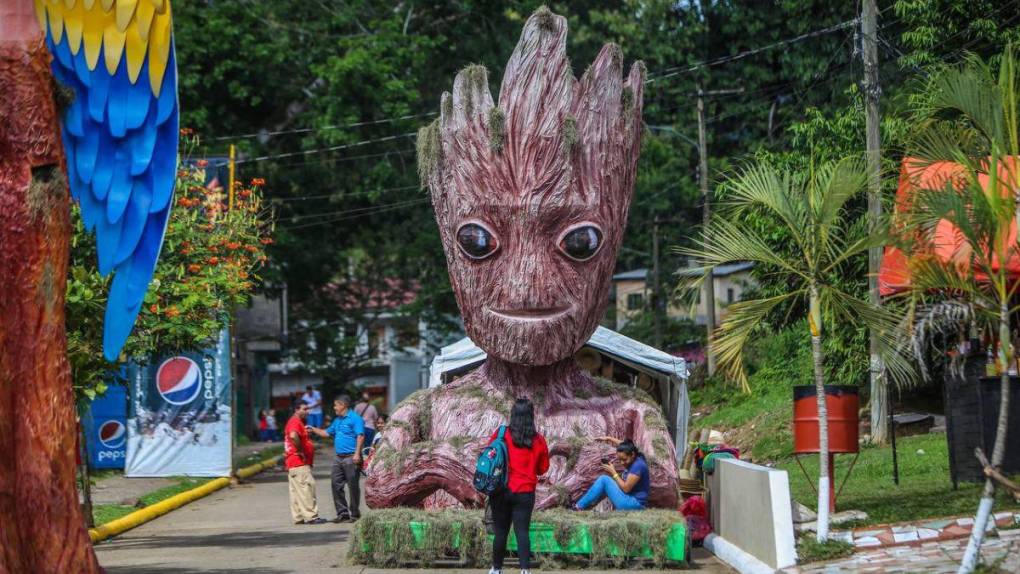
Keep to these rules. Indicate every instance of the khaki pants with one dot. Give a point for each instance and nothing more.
(302, 494)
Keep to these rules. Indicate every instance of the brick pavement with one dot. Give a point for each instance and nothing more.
(934, 557)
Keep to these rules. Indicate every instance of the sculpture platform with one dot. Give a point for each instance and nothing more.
(394, 538)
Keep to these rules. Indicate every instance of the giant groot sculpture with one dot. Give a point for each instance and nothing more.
(531, 197)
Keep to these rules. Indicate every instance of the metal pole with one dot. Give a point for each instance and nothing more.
(231, 168)
(872, 92)
(892, 435)
(656, 288)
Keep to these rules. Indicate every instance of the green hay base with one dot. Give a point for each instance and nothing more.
(393, 538)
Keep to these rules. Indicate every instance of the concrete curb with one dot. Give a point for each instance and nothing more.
(736, 558)
(143, 515)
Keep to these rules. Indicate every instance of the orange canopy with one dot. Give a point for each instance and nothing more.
(947, 243)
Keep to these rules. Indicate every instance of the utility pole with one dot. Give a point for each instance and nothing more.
(709, 284)
(872, 93)
(656, 288)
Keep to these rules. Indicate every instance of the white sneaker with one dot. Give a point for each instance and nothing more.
(494, 571)
(525, 571)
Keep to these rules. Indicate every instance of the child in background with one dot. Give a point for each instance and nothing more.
(263, 426)
(274, 432)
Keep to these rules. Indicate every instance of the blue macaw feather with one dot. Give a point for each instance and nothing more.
(99, 92)
(121, 146)
(167, 103)
(142, 142)
(86, 149)
(107, 239)
(121, 185)
(164, 166)
(135, 217)
(127, 292)
(102, 175)
(81, 67)
(137, 105)
(117, 101)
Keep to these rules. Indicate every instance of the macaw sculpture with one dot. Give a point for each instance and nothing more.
(531, 197)
(88, 103)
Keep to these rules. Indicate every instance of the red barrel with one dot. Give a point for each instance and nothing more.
(842, 404)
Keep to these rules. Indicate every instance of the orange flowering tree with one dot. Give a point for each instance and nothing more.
(213, 251)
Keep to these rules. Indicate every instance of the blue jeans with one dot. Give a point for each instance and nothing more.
(314, 420)
(606, 487)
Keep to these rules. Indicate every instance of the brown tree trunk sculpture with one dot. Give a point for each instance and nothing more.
(41, 526)
(531, 197)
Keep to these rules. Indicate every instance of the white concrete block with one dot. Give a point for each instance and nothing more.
(751, 509)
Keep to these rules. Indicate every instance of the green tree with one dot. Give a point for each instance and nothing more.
(810, 205)
(971, 117)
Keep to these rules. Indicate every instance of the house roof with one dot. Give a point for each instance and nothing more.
(720, 271)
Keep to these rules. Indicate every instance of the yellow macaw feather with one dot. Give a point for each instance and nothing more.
(125, 12)
(159, 50)
(138, 30)
(73, 21)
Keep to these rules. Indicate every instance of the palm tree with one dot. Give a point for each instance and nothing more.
(810, 206)
(969, 117)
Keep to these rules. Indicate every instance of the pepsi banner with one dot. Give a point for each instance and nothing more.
(180, 419)
(106, 430)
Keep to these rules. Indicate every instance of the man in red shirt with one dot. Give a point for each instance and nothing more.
(298, 453)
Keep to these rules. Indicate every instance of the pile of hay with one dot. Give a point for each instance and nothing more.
(387, 538)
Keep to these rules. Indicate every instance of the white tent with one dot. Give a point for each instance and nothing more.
(670, 371)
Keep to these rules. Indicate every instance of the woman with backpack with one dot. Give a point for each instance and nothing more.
(626, 492)
(527, 458)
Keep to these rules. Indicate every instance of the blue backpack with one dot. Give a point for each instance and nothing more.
(491, 468)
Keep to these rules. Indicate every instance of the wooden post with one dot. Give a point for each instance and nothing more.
(706, 213)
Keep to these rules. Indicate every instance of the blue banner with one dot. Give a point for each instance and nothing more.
(180, 418)
(106, 428)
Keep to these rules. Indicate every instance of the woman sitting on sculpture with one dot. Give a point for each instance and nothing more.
(626, 492)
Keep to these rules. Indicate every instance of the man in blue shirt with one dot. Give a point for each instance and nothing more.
(348, 432)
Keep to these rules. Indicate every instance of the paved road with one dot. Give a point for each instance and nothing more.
(247, 529)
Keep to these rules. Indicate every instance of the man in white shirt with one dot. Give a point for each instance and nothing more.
(313, 399)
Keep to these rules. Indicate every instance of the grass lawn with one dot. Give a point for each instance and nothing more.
(103, 513)
(925, 490)
(259, 456)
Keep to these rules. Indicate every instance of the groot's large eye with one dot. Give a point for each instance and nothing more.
(476, 241)
(581, 243)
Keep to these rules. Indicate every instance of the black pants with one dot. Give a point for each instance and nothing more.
(512, 507)
(346, 473)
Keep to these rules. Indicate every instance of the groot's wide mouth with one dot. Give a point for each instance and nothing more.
(532, 313)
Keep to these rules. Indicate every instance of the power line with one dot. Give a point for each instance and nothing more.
(669, 72)
(323, 128)
(350, 211)
(325, 149)
(381, 209)
(342, 195)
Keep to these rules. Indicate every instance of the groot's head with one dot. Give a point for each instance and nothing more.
(531, 196)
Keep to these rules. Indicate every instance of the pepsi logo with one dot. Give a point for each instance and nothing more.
(179, 380)
(112, 434)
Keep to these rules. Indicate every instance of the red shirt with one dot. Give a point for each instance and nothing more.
(291, 460)
(526, 464)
